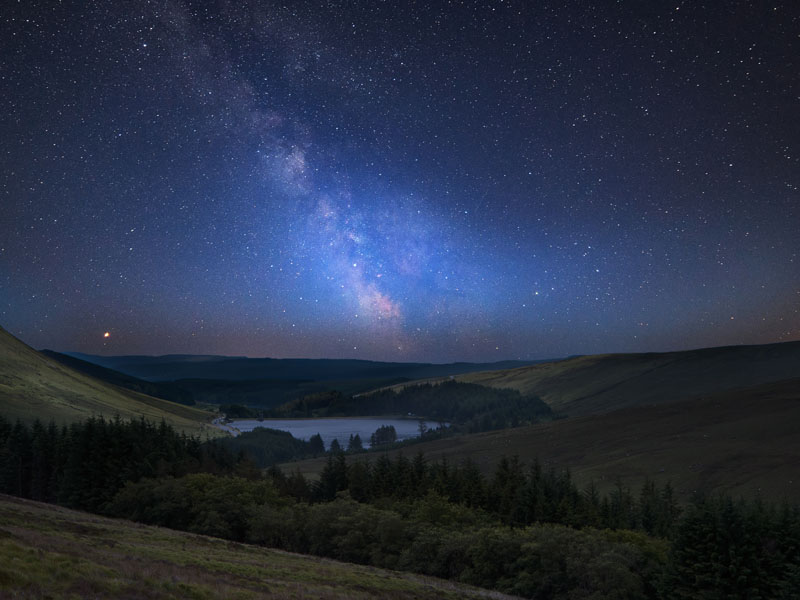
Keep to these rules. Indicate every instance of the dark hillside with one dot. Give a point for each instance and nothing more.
(741, 442)
(606, 382)
(172, 367)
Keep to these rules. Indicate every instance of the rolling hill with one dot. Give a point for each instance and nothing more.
(164, 390)
(718, 419)
(238, 368)
(260, 393)
(51, 552)
(743, 442)
(35, 386)
(602, 383)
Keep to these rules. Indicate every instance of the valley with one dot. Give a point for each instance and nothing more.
(597, 460)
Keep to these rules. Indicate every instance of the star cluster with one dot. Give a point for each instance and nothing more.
(399, 181)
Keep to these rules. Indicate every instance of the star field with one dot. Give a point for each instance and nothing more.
(431, 181)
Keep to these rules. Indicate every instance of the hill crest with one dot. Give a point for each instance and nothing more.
(599, 383)
(33, 386)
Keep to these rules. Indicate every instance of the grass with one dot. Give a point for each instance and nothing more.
(743, 442)
(34, 386)
(52, 552)
(606, 382)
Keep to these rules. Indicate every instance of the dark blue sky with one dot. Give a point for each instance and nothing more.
(430, 181)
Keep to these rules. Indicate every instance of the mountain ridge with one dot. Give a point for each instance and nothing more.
(183, 366)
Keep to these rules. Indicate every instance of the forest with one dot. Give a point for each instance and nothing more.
(526, 529)
(469, 408)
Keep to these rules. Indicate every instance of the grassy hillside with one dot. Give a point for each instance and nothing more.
(164, 390)
(34, 386)
(742, 442)
(48, 551)
(606, 382)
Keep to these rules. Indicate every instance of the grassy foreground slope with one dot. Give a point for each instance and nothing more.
(35, 386)
(741, 442)
(605, 382)
(48, 551)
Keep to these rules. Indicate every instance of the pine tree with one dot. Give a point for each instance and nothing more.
(419, 474)
(402, 477)
(382, 481)
(16, 461)
(354, 444)
(359, 480)
(671, 510)
(649, 507)
(330, 480)
(505, 490)
(315, 445)
(384, 435)
(473, 484)
(622, 508)
(43, 446)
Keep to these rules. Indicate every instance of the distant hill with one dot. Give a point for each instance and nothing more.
(33, 385)
(605, 382)
(712, 419)
(268, 393)
(179, 366)
(166, 391)
(259, 393)
(52, 552)
(743, 442)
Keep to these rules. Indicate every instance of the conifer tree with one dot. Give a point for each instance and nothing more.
(382, 481)
(505, 488)
(354, 444)
(359, 480)
(316, 445)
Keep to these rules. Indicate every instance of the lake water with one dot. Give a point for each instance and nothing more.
(334, 428)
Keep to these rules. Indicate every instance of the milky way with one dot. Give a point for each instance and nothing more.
(436, 181)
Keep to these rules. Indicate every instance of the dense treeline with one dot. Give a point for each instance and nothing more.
(262, 395)
(469, 407)
(728, 549)
(720, 549)
(84, 465)
(429, 536)
(525, 530)
(514, 495)
(266, 447)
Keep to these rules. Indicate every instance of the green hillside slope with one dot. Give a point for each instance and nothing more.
(164, 390)
(52, 552)
(34, 386)
(602, 383)
(741, 442)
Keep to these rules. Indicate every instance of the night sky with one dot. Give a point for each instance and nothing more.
(430, 181)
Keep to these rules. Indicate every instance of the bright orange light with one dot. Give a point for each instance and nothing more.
(106, 334)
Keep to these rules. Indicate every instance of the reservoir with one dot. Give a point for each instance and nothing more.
(340, 428)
